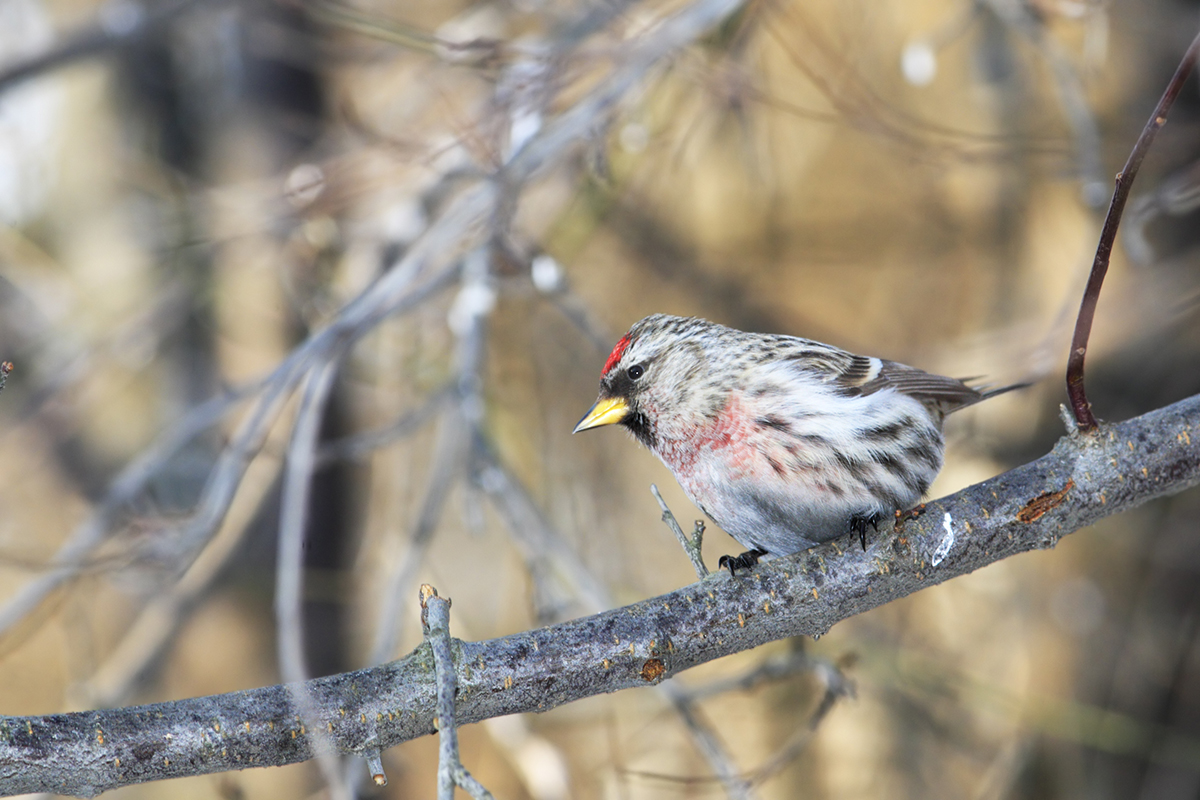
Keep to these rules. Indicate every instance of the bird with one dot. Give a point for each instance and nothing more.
(784, 442)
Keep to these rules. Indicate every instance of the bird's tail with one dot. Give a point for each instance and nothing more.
(986, 392)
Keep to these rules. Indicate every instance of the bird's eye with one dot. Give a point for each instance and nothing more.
(635, 372)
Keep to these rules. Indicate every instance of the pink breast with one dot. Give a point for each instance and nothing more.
(727, 439)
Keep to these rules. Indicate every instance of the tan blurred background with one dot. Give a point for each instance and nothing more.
(916, 180)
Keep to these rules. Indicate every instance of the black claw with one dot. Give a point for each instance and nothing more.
(745, 561)
(859, 523)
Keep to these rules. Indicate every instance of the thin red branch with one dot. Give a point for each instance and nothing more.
(1091, 295)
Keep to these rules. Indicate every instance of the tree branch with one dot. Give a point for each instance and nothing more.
(1084, 479)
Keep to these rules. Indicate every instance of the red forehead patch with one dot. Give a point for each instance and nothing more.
(615, 356)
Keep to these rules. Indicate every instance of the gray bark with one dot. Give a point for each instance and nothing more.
(1084, 479)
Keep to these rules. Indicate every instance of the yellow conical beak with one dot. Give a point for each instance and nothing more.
(607, 411)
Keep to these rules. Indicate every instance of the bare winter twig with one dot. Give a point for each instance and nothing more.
(691, 546)
(435, 619)
(1108, 234)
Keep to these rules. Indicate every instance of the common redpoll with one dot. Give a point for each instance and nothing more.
(784, 442)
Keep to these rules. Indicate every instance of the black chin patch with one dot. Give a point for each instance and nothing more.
(639, 425)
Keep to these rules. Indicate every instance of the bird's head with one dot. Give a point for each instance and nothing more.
(657, 379)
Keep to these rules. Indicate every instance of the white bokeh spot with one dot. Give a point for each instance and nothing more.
(919, 64)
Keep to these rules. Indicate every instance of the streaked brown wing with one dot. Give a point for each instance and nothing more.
(856, 375)
(950, 393)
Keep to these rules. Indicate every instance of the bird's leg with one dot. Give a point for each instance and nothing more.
(859, 523)
(745, 561)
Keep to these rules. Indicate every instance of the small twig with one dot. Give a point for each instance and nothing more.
(435, 620)
(374, 759)
(691, 546)
(1091, 295)
(698, 528)
(1068, 420)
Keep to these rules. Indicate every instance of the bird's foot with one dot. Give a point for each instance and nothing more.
(745, 561)
(859, 523)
